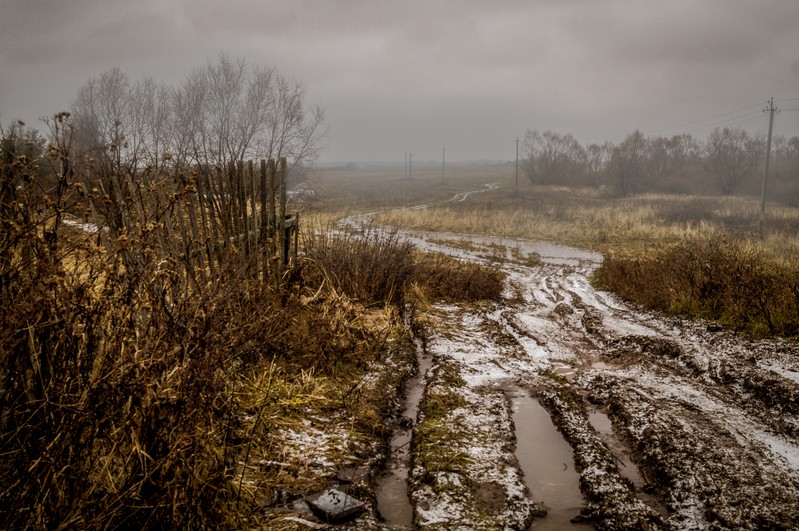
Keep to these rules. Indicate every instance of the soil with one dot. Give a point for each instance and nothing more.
(707, 418)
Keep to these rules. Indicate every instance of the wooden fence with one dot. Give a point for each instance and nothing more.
(197, 225)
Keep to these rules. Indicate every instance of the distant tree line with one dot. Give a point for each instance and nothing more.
(729, 161)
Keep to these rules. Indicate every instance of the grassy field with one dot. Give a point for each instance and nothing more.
(692, 255)
(617, 226)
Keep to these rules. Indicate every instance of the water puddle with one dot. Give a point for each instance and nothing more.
(547, 462)
(601, 366)
(391, 490)
(621, 453)
(564, 369)
(547, 252)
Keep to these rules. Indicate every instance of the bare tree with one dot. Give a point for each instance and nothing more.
(731, 155)
(597, 158)
(668, 156)
(628, 162)
(189, 144)
(102, 117)
(792, 150)
(293, 131)
(224, 111)
(551, 157)
(151, 121)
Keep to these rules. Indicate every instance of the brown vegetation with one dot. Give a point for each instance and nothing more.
(136, 394)
(712, 277)
(379, 267)
(693, 255)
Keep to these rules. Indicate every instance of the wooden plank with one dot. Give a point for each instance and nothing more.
(252, 199)
(262, 237)
(281, 216)
(208, 226)
(243, 225)
(272, 223)
(197, 240)
(167, 207)
(226, 202)
(296, 229)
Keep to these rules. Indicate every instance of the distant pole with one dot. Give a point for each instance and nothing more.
(443, 162)
(516, 193)
(771, 110)
(410, 166)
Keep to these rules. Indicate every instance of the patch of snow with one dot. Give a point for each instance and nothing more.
(88, 228)
(780, 370)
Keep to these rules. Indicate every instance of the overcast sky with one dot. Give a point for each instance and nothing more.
(414, 76)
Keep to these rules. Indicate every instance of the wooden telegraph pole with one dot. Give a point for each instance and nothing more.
(516, 192)
(443, 161)
(771, 110)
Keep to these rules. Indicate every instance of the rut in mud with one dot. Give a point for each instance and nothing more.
(672, 424)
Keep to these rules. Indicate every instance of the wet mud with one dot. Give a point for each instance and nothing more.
(672, 424)
(391, 487)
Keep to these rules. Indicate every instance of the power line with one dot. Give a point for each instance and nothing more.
(704, 119)
(748, 117)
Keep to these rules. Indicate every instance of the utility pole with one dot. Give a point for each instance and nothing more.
(410, 166)
(443, 161)
(771, 110)
(516, 193)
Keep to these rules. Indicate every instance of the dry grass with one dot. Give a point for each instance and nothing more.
(378, 267)
(617, 226)
(654, 244)
(128, 401)
(714, 278)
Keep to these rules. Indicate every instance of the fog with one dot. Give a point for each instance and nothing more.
(417, 77)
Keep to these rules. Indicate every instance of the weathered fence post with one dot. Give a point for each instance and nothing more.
(203, 224)
(281, 218)
(263, 237)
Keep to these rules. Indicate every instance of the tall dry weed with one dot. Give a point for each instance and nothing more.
(117, 378)
(713, 277)
(121, 398)
(378, 266)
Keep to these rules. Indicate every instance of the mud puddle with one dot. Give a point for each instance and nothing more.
(563, 369)
(391, 489)
(547, 462)
(621, 453)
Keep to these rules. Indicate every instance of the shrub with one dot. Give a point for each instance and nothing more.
(443, 277)
(373, 267)
(378, 266)
(118, 402)
(710, 277)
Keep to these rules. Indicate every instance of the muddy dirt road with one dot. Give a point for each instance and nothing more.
(669, 423)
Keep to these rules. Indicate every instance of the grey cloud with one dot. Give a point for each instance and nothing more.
(392, 74)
